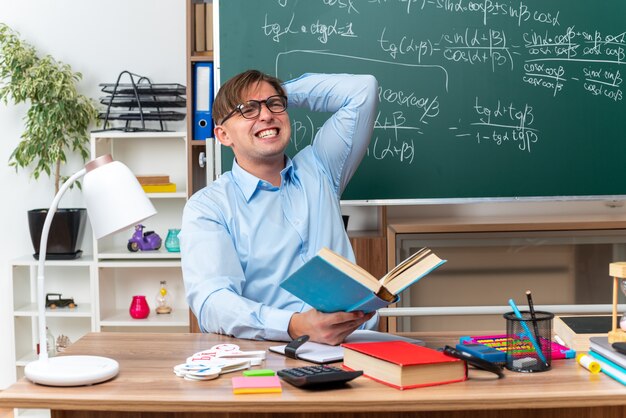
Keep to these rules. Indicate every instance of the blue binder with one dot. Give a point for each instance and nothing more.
(203, 101)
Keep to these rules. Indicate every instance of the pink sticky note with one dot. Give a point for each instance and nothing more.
(256, 384)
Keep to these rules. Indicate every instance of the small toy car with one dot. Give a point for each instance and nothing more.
(54, 300)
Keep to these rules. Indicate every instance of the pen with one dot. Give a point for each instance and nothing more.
(531, 308)
(518, 314)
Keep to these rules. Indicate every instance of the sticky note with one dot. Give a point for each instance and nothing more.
(256, 384)
(259, 372)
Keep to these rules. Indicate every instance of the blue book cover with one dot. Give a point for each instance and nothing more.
(331, 283)
(609, 368)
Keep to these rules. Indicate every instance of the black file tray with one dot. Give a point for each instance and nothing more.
(135, 97)
(145, 101)
(158, 89)
(135, 115)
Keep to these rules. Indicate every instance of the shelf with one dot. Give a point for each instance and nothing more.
(121, 318)
(160, 258)
(207, 57)
(33, 413)
(83, 310)
(175, 195)
(145, 263)
(85, 260)
(99, 135)
(24, 360)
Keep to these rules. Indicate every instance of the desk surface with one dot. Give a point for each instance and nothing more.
(146, 383)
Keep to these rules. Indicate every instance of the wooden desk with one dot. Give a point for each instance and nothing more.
(147, 384)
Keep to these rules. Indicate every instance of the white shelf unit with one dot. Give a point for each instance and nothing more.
(146, 153)
(103, 284)
(71, 278)
(122, 274)
(119, 280)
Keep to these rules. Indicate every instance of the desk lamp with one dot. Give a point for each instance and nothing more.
(114, 201)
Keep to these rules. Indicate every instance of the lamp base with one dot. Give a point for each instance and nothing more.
(71, 370)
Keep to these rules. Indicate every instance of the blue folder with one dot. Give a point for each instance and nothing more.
(203, 101)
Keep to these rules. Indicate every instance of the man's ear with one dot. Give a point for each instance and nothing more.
(222, 136)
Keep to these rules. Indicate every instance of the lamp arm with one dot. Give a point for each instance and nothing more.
(41, 299)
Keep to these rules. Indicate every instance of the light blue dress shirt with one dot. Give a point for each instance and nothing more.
(241, 236)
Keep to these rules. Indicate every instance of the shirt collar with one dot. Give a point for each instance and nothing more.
(248, 183)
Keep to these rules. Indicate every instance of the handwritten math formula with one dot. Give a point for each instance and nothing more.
(538, 48)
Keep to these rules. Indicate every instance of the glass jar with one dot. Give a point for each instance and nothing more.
(171, 241)
(50, 344)
(139, 308)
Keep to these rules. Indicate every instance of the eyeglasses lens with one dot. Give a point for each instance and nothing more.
(252, 109)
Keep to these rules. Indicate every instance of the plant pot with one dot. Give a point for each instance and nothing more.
(66, 232)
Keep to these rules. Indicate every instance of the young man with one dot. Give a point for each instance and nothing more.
(257, 224)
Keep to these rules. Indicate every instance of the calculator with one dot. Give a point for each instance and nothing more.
(318, 376)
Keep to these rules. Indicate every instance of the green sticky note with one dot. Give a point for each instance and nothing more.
(259, 372)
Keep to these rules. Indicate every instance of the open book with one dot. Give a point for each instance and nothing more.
(331, 283)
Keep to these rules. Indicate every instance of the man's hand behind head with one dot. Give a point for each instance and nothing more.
(327, 328)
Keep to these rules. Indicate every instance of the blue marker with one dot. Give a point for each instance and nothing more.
(518, 314)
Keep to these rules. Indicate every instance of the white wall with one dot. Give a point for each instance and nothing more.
(98, 39)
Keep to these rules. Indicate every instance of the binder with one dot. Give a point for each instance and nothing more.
(203, 101)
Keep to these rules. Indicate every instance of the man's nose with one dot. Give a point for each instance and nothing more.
(265, 113)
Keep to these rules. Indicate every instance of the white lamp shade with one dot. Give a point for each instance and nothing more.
(114, 198)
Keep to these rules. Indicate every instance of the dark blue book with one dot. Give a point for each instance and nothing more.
(331, 283)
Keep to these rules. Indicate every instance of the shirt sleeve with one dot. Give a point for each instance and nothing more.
(341, 143)
(214, 279)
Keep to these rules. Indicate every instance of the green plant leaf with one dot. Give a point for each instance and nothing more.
(58, 118)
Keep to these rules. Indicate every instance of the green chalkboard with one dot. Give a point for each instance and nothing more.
(478, 99)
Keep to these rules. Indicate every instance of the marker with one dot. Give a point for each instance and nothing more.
(588, 363)
(518, 314)
(560, 340)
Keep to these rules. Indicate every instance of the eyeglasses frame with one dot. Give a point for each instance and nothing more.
(260, 102)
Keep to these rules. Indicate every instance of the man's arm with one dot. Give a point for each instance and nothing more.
(342, 141)
(214, 278)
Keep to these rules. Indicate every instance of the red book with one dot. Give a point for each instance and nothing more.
(403, 365)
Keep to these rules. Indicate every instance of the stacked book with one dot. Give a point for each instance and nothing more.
(156, 183)
(613, 362)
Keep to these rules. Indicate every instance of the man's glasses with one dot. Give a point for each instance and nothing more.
(252, 108)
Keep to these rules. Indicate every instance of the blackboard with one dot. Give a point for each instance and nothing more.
(478, 99)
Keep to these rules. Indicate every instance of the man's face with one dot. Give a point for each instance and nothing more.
(258, 141)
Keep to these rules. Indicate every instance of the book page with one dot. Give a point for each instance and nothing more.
(405, 264)
(413, 273)
(358, 273)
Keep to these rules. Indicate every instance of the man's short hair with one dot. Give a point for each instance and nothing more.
(232, 92)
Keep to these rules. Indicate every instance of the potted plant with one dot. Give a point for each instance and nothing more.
(56, 124)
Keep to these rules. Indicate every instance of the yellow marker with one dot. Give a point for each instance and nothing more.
(588, 363)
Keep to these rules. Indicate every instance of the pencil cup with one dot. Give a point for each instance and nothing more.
(528, 347)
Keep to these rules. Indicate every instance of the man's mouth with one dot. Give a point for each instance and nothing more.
(267, 133)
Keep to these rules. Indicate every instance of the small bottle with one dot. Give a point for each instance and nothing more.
(50, 343)
(163, 299)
